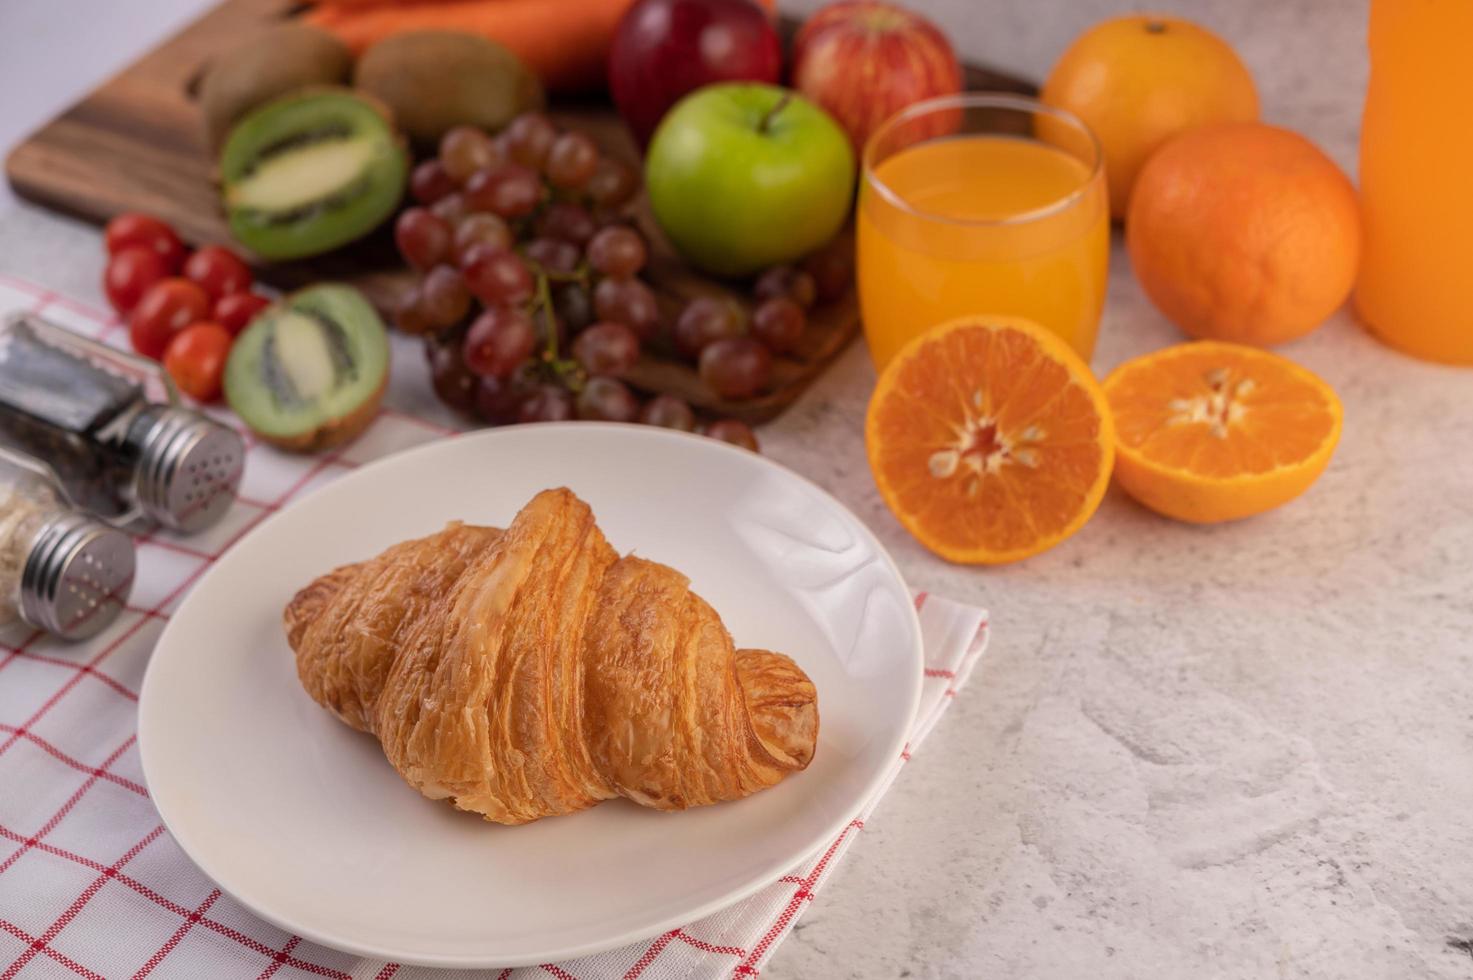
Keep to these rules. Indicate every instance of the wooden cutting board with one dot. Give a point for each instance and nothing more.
(137, 144)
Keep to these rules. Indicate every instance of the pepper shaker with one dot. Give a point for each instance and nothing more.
(60, 571)
(85, 410)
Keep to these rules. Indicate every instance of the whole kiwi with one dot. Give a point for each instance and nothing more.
(273, 63)
(435, 80)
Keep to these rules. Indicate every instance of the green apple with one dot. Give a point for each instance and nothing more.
(743, 175)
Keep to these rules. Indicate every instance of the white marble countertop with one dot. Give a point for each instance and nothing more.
(1240, 751)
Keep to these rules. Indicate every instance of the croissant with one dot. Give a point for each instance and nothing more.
(532, 672)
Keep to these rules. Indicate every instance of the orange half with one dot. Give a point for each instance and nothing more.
(989, 439)
(1212, 431)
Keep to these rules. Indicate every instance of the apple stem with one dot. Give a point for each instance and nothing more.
(771, 114)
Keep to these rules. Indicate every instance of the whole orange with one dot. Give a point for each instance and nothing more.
(1139, 80)
(1244, 232)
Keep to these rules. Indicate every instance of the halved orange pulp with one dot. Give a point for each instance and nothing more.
(1212, 431)
(989, 439)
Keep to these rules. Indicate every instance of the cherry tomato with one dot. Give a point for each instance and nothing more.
(236, 311)
(129, 274)
(168, 307)
(128, 230)
(196, 359)
(218, 271)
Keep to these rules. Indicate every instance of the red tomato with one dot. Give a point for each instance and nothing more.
(129, 274)
(218, 271)
(168, 307)
(128, 230)
(196, 359)
(236, 311)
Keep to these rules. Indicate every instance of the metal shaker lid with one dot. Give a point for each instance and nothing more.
(77, 576)
(189, 469)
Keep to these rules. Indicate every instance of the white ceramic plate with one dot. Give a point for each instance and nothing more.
(302, 819)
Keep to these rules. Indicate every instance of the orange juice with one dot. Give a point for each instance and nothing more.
(1416, 171)
(982, 224)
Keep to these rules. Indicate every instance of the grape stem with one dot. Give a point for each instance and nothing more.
(579, 275)
(564, 371)
(544, 301)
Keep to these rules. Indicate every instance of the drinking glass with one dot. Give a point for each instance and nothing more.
(982, 204)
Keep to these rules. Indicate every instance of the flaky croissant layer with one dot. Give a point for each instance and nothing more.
(532, 672)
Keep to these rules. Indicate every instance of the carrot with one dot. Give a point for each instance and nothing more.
(360, 4)
(566, 42)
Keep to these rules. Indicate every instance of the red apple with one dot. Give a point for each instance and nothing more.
(864, 61)
(664, 49)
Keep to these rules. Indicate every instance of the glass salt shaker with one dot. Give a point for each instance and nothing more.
(93, 414)
(60, 571)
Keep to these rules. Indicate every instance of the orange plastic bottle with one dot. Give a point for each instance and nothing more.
(1415, 290)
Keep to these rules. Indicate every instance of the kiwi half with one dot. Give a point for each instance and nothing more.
(308, 373)
(311, 171)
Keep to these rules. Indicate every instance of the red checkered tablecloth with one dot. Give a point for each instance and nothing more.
(91, 884)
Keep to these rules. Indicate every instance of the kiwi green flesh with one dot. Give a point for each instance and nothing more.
(308, 363)
(308, 173)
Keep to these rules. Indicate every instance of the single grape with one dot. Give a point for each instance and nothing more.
(735, 367)
(453, 382)
(498, 277)
(529, 138)
(410, 315)
(423, 239)
(451, 208)
(548, 403)
(831, 268)
(552, 254)
(499, 341)
(481, 229)
(630, 302)
(734, 432)
(566, 221)
(607, 400)
(465, 150)
(498, 401)
(429, 182)
(510, 190)
(617, 251)
(779, 324)
(613, 184)
(786, 282)
(444, 297)
(607, 348)
(573, 306)
(668, 412)
(706, 319)
(571, 161)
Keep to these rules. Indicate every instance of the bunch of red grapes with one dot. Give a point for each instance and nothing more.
(530, 298)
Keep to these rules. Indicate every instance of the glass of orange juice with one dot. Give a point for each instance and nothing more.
(982, 203)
